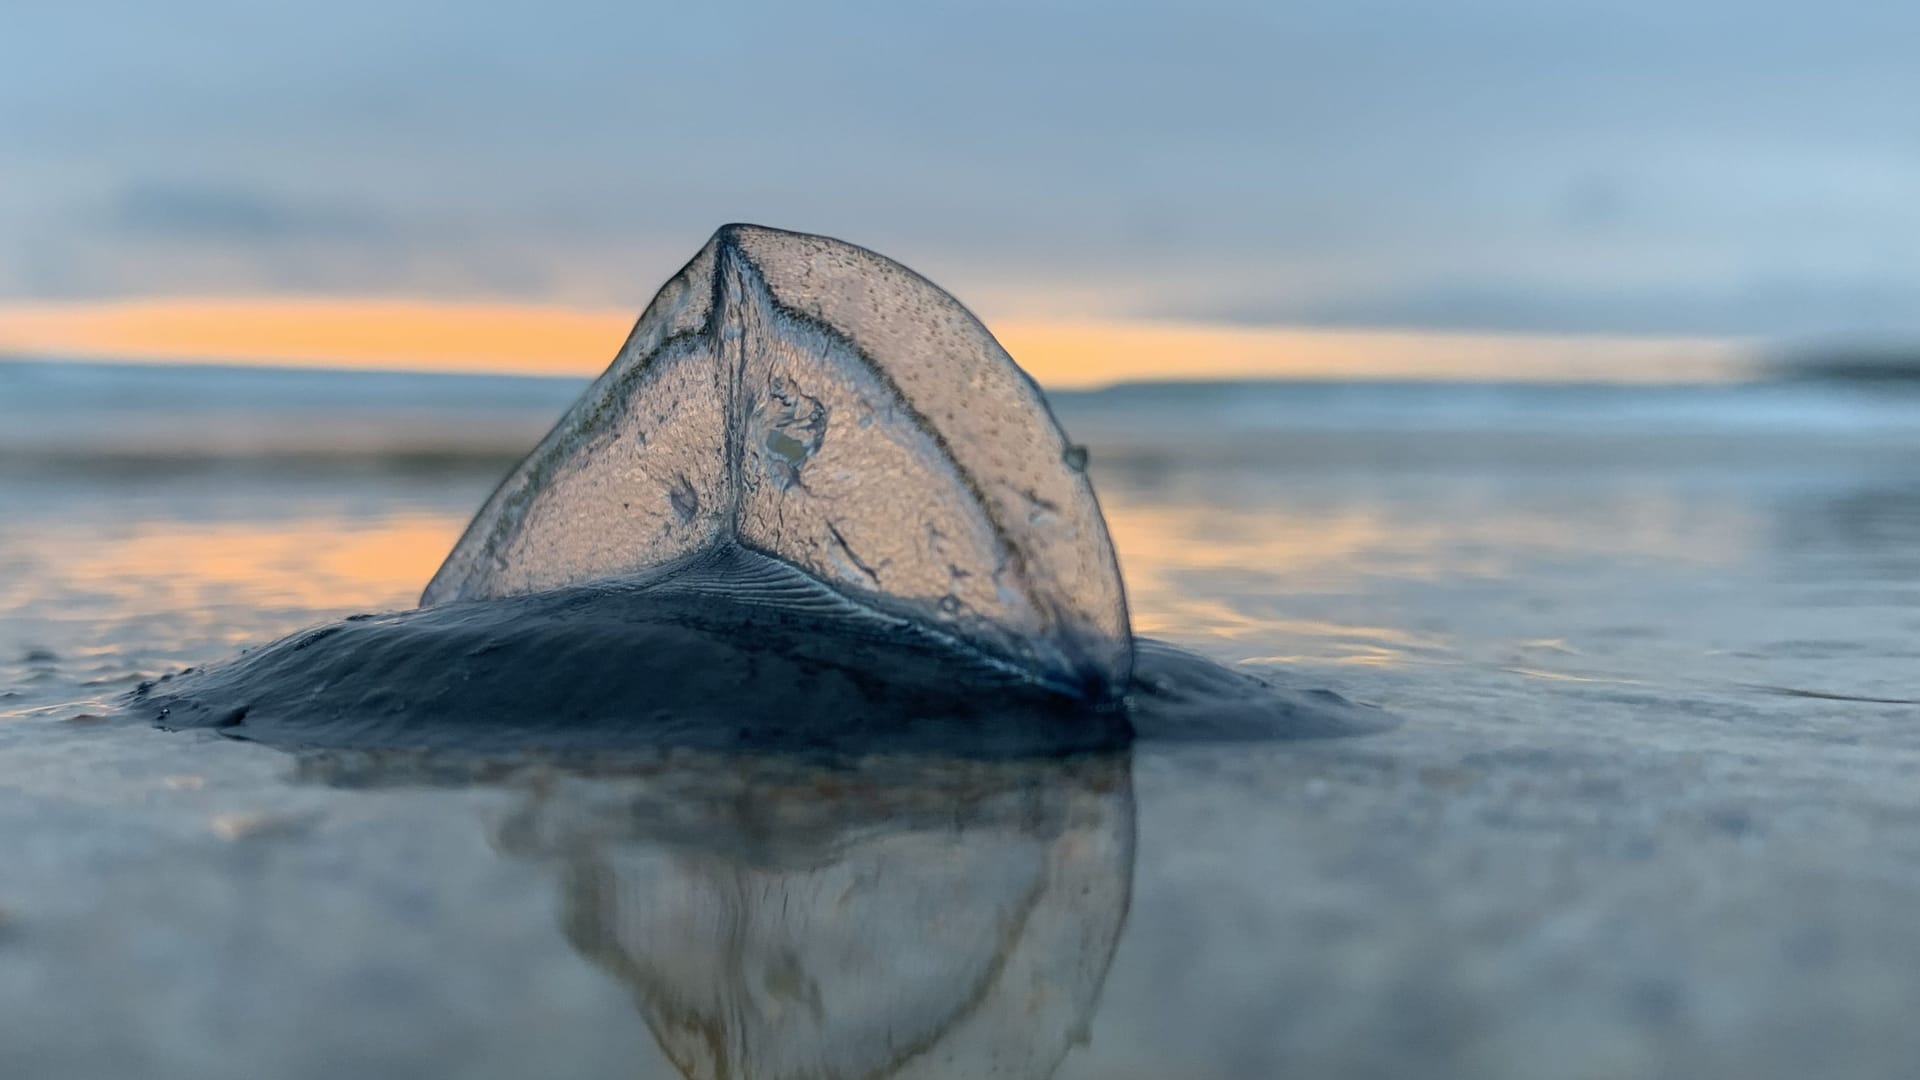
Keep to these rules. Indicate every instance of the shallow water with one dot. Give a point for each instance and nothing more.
(1653, 811)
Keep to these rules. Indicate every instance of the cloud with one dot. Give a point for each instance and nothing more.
(224, 213)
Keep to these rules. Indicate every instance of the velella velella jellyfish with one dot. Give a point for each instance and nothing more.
(812, 501)
(807, 406)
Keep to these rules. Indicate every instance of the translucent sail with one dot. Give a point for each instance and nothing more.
(815, 402)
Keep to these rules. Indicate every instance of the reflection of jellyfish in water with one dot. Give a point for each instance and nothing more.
(902, 919)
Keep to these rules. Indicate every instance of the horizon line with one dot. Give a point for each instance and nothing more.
(1744, 374)
(426, 337)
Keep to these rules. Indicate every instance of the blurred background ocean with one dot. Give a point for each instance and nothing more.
(1548, 373)
(63, 414)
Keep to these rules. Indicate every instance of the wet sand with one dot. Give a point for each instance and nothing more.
(1652, 812)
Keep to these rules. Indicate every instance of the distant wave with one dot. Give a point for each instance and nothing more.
(160, 416)
(1875, 364)
(71, 413)
(1592, 408)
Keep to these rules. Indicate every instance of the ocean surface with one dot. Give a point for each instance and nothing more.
(1654, 810)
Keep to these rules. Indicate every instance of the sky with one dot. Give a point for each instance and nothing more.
(1277, 176)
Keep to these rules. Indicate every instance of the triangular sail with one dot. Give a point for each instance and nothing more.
(824, 405)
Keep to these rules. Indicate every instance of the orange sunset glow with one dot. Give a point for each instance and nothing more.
(538, 340)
